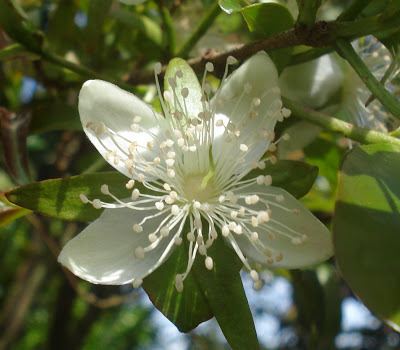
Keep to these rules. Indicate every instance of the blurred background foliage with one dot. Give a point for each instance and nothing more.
(43, 306)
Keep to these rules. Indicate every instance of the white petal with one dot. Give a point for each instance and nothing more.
(104, 252)
(103, 102)
(260, 76)
(312, 83)
(316, 248)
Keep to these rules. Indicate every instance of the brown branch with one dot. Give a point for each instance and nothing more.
(320, 35)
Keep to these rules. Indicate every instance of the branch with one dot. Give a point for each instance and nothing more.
(351, 131)
(322, 35)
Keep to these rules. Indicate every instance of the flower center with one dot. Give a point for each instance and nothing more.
(199, 188)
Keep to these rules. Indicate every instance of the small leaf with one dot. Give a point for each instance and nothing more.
(59, 198)
(295, 177)
(366, 227)
(267, 18)
(186, 310)
(224, 292)
(231, 6)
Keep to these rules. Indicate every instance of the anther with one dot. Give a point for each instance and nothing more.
(83, 198)
(137, 228)
(254, 236)
(135, 194)
(104, 189)
(185, 92)
(231, 60)
(96, 203)
(152, 237)
(164, 231)
(159, 205)
(178, 241)
(130, 184)
(209, 67)
(243, 147)
(179, 283)
(225, 231)
(157, 68)
(254, 275)
(209, 263)
(139, 252)
(175, 210)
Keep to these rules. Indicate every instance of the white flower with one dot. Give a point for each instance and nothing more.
(192, 159)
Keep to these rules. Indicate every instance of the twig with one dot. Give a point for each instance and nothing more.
(333, 124)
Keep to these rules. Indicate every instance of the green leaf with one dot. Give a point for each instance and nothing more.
(186, 310)
(266, 19)
(11, 51)
(366, 227)
(231, 6)
(308, 295)
(9, 212)
(295, 177)
(224, 292)
(205, 294)
(145, 25)
(59, 198)
(15, 23)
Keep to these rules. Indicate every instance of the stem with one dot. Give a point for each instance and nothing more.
(307, 11)
(320, 35)
(201, 29)
(333, 124)
(379, 91)
(79, 69)
(169, 29)
(11, 51)
(353, 10)
(309, 55)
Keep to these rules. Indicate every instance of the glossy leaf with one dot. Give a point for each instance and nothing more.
(366, 227)
(267, 18)
(224, 292)
(60, 197)
(231, 6)
(186, 310)
(295, 177)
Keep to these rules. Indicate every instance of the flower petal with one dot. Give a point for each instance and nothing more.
(312, 83)
(253, 87)
(104, 252)
(102, 104)
(288, 219)
(188, 80)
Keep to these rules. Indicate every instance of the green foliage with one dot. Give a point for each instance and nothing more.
(57, 45)
(366, 227)
(60, 197)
